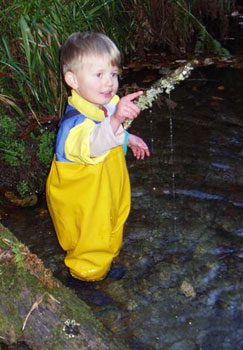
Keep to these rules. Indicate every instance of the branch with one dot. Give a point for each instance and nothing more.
(165, 84)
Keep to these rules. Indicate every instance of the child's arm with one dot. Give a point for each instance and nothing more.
(138, 147)
(102, 138)
(110, 133)
(126, 109)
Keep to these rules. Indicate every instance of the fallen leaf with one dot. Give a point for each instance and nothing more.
(42, 212)
(149, 79)
(208, 61)
(187, 289)
(217, 98)
(28, 201)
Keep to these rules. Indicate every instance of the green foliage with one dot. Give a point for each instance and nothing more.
(204, 40)
(23, 188)
(8, 127)
(46, 147)
(208, 43)
(12, 149)
(14, 154)
(178, 25)
(29, 49)
(16, 247)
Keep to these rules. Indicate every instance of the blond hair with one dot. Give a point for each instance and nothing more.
(81, 44)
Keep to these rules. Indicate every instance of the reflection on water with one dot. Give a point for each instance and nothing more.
(183, 239)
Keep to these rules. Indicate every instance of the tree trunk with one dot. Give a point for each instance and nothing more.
(38, 310)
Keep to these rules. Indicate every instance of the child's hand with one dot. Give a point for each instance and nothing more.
(138, 147)
(126, 108)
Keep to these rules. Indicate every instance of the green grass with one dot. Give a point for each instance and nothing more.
(30, 78)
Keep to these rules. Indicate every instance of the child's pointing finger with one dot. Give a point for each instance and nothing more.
(133, 95)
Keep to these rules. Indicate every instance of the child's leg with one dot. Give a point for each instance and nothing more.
(89, 206)
(99, 239)
(101, 225)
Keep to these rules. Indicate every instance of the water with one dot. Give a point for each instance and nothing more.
(183, 239)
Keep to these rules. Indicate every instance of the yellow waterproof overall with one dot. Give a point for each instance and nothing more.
(89, 204)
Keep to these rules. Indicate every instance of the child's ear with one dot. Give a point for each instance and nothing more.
(70, 79)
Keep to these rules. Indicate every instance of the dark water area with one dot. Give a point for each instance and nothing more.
(183, 252)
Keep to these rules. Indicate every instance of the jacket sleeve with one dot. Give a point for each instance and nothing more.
(102, 138)
(77, 145)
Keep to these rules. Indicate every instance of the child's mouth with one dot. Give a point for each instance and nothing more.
(107, 94)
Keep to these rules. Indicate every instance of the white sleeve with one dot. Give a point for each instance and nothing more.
(102, 138)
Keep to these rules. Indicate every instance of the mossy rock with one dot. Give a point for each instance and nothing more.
(37, 309)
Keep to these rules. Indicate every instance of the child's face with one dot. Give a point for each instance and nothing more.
(96, 80)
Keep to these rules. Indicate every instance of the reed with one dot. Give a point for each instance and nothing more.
(30, 77)
(180, 26)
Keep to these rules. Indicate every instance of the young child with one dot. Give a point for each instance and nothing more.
(88, 188)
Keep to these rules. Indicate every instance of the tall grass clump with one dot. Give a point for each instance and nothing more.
(29, 49)
(180, 26)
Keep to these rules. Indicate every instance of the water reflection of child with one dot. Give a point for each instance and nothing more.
(88, 188)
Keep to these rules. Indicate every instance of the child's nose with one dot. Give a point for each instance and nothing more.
(109, 81)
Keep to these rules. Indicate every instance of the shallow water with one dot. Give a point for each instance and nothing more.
(183, 239)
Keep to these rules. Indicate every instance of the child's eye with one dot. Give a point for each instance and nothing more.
(99, 75)
(114, 75)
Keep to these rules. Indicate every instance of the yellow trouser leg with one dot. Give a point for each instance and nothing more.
(89, 206)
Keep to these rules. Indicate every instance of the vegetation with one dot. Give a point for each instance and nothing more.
(31, 89)
(12, 148)
(184, 25)
(46, 149)
(39, 312)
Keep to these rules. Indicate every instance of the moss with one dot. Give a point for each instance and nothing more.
(78, 309)
(2, 323)
(13, 283)
(14, 279)
(10, 322)
(9, 279)
(15, 252)
(21, 289)
(6, 234)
